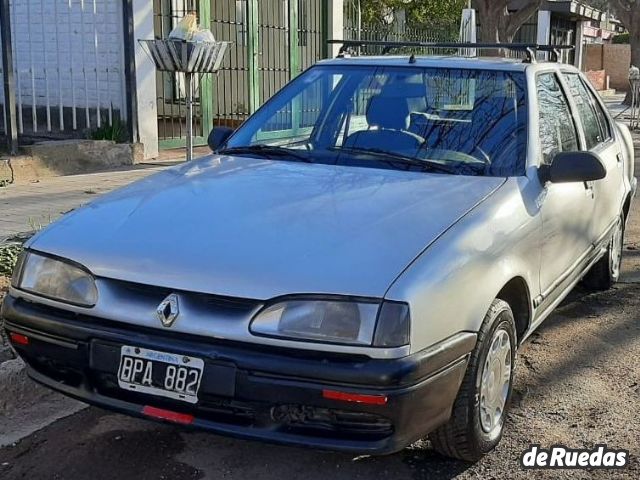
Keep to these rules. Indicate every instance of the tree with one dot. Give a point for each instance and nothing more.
(424, 12)
(497, 23)
(628, 12)
(419, 12)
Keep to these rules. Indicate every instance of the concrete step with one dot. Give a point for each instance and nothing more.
(67, 157)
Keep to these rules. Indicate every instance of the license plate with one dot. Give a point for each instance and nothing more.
(160, 373)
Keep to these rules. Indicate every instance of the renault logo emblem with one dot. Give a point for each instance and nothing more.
(168, 310)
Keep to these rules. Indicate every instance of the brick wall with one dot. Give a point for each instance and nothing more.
(598, 79)
(69, 51)
(615, 60)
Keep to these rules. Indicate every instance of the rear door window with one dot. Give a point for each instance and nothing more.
(594, 121)
(557, 129)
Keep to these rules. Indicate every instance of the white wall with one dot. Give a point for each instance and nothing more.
(335, 24)
(544, 31)
(146, 108)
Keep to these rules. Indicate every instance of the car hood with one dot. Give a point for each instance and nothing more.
(253, 228)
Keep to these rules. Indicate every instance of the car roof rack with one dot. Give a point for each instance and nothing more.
(529, 49)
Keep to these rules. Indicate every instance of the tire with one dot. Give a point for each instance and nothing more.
(467, 435)
(606, 272)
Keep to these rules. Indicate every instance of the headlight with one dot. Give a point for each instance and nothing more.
(336, 321)
(55, 279)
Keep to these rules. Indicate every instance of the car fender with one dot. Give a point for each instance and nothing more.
(451, 285)
(626, 141)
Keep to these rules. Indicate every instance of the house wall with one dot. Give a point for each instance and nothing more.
(146, 108)
(615, 60)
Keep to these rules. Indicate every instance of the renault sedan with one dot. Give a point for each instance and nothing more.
(353, 268)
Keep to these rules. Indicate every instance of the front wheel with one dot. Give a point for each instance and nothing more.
(606, 272)
(480, 409)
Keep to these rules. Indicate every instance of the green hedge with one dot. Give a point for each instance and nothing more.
(9, 253)
(622, 38)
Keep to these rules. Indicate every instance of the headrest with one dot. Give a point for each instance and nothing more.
(388, 112)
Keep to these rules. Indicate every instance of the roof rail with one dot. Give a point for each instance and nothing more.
(530, 49)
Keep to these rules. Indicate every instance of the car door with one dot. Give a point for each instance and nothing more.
(599, 138)
(567, 209)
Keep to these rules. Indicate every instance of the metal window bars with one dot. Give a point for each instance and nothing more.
(530, 50)
(67, 66)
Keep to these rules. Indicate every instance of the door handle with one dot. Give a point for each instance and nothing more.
(620, 157)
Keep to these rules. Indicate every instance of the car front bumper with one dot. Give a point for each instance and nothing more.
(249, 391)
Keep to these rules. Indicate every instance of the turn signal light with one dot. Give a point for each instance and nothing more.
(18, 339)
(168, 415)
(355, 397)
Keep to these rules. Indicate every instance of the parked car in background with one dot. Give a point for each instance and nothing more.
(354, 268)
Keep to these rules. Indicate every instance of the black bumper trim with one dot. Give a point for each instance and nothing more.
(379, 447)
(76, 357)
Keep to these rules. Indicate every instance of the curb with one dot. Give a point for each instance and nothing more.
(26, 407)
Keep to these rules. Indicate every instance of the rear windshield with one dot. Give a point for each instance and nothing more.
(472, 122)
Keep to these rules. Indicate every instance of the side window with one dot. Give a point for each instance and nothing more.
(605, 127)
(594, 121)
(557, 130)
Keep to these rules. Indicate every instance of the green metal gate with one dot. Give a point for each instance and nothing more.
(272, 42)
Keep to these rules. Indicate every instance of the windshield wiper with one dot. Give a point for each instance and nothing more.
(265, 151)
(394, 159)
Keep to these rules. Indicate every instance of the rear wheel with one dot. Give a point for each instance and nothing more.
(606, 272)
(480, 410)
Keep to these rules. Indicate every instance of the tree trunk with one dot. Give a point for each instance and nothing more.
(634, 39)
(491, 16)
(629, 14)
(497, 24)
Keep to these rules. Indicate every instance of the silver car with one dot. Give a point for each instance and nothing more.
(353, 268)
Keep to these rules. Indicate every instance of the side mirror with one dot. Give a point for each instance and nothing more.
(569, 167)
(218, 137)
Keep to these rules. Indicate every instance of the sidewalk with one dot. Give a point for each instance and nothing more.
(619, 110)
(24, 208)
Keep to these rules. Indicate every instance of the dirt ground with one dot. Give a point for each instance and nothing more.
(577, 384)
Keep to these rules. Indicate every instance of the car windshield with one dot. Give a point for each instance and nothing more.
(452, 121)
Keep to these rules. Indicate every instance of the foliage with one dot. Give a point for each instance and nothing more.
(602, 5)
(628, 12)
(419, 12)
(116, 132)
(622, 38)
(426, 11)
(9, 253)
